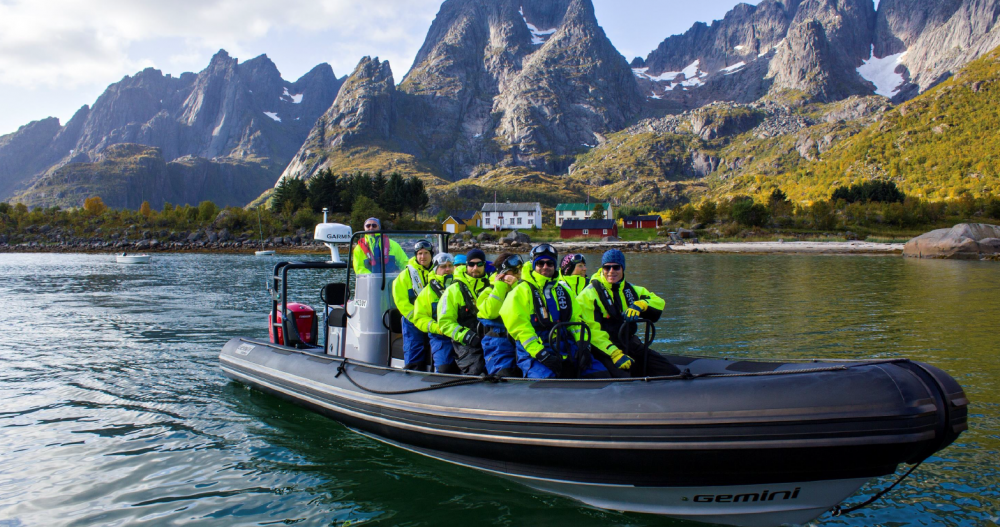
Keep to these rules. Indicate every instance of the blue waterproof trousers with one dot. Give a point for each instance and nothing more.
(536, 370)
(498, 349)
(414, 346)
(443, 353)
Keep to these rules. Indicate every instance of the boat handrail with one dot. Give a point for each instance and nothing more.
(649, 335)
(283, 268)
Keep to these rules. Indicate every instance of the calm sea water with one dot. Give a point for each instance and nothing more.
(114, 410)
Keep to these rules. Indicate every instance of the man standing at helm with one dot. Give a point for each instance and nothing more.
(405, 289)
(609, 303)
(373, 251)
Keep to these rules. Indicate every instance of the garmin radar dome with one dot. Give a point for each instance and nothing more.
(333, 234)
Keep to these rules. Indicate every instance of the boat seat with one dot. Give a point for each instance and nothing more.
(334, 294)
(336, 316)
(394, 324)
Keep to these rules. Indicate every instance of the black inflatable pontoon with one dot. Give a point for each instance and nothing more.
(732, 442)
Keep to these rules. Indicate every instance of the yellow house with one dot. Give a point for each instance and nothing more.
(462, 220)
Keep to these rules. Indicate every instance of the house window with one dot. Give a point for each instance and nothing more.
(574, 213)
(531, 221)
(487, 221)
(519, 221)
(605, 231)
(585, 231)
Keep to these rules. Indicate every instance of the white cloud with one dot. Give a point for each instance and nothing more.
(72, 43)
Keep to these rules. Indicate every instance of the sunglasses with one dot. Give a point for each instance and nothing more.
(612, 267)
(545, 263)
(475, 264)
(371, 226)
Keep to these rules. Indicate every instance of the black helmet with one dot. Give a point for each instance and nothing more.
(569, 262)
(543, 250)
(422, 245)
(512, 263)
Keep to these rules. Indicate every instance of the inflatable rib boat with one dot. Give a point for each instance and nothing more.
(731, 442)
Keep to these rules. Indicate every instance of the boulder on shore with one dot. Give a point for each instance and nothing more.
(516, 236)
(965, 241)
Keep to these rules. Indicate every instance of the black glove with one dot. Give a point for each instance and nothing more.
(584, 358)
(471, 339)
(550, 360)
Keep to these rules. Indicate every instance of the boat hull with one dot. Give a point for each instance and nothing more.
(138, 259)
(662, 446)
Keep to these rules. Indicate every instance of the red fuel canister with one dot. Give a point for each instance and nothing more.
(305, 323)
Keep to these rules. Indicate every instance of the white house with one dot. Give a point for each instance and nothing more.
(512, 215)
(581, 211)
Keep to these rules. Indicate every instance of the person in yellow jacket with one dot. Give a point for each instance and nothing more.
(373, 251)
(498, 348)
(425, 313)
(608, 303)
(537, 303)
(405, 289)
(573, 272)
(457, 313)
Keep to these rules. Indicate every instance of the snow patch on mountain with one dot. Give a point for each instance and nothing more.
(296, 99)
(882, 72)
(273, 115)
(538, 36)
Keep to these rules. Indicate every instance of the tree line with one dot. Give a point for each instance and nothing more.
(393, 195)
(873, 204)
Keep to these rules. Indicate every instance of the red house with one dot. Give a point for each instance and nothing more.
(642, 222)
(588, 228)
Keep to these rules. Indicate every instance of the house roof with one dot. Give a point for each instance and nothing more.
(641, 218)
(581, 206)
(510, 207)
(588, 224)
(464, 215)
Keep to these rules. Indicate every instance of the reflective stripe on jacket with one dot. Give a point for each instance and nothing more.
(364, 260)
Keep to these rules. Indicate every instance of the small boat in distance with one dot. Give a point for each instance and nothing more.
(260, 226)
(126, 258)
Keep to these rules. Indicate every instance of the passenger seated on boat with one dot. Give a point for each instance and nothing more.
(537, 303)
(498, 348)
(573, 272)
(425, 315)
(405, 289)
(607, 303)
(376, 250)
(457, 313)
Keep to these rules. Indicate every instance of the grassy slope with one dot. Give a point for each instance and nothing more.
(937, 146)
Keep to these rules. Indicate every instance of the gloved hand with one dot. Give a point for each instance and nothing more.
(550, 360)
(631, 314)
(471, 339)
(621, 360)
(641, 305)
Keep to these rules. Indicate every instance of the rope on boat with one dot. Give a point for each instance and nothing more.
(342, 370)
(838, 511)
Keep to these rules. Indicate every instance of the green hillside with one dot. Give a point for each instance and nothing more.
(940, 145)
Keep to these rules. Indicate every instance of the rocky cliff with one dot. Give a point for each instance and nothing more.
(508, 83)
(244, 112)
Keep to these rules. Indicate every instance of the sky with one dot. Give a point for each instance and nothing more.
(57, 55)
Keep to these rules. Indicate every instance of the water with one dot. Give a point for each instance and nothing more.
(115, 411)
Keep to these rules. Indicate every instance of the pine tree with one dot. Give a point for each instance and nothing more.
(417, 198)
(324, 191)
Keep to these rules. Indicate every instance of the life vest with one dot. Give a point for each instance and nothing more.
(613, 319)
(416, 282)
(374, 263)
(552, 305)
(438, 289)
(467, 313)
